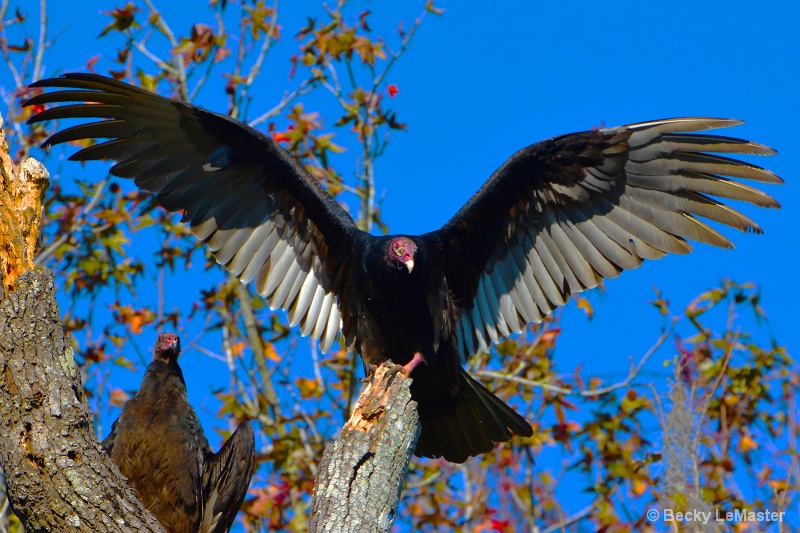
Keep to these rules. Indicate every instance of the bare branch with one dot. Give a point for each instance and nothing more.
(394, 56)
(160, 63)
(568, 391)
(178, 69)
(40, 47)
(564, 524)
(77, 222)
(304, 88)
(273, 24)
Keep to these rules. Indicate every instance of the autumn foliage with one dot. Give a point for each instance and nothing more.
(712, 427)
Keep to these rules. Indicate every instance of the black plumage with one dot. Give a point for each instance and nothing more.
(554, 219)
(158, 444)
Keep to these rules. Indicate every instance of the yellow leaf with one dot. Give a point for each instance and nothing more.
(746, 444)
(584, 305)
(308, 387)
(270, 353)
(731, 400)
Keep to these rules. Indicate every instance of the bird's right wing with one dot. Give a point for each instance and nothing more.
(264, 217)
(226, 478)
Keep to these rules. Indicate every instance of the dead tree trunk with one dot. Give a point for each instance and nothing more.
(361, 474)
(57, 476)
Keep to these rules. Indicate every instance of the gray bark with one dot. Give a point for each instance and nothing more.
(58, 477)
(361, 474)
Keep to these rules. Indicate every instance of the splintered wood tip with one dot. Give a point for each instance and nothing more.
(22, 191)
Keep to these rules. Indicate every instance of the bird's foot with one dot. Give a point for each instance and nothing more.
(369, 370)
(415, 361)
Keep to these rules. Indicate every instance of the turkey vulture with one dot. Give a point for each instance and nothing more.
(158, 444)
(556, 218)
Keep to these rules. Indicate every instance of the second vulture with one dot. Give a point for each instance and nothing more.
(556, 218)
(158, 444)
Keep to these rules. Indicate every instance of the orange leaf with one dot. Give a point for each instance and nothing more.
(119, 397)
(778, 485)
(746, 444)
(551, 335)
(137, 322)
(639, 487)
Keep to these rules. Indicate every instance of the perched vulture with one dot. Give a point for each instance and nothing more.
(158, 444)
(555, 219)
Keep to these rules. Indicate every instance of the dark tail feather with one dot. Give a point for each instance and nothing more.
(460, 426)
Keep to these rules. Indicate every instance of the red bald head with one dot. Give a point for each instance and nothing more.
(168, 347)
(401, 252)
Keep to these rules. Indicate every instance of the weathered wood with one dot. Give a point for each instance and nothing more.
(362, 472)
(22, 190)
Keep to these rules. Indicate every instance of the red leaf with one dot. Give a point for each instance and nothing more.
(90, 63)
(363, 19)
(393, 90)
(500, 525)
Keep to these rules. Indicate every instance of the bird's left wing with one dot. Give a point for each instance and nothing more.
(261, 213)
(563, 214)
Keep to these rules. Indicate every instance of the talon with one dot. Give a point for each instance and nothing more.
(369, 371)
(415, 361)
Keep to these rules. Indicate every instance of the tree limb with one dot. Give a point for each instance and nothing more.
(362, 472)
(587, 393)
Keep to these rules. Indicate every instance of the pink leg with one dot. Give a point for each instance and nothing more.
(411, 365)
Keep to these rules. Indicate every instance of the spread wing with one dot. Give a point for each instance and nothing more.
(563, 214)
(265, 218)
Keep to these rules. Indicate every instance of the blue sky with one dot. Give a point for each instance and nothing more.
(487, 79)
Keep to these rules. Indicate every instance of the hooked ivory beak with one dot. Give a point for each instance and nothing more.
(410, 265)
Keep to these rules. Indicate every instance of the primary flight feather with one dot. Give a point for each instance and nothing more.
(556, 218)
